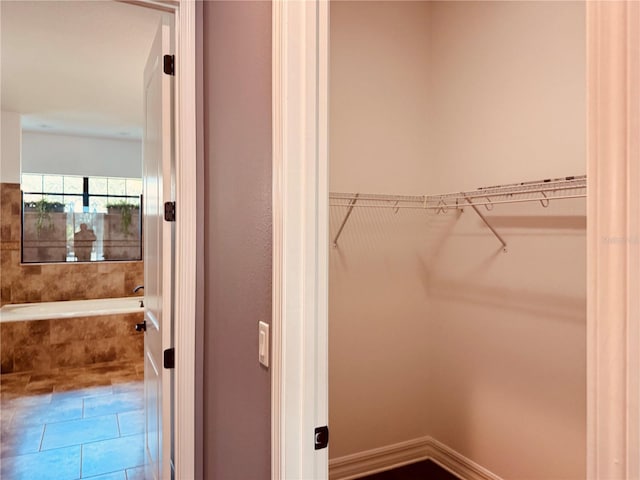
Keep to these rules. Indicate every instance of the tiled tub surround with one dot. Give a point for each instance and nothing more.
(56, 281)
(71, 388)
(41, 346)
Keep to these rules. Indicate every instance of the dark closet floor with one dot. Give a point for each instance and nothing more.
(426, 470)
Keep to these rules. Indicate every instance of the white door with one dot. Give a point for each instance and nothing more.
(157, 170)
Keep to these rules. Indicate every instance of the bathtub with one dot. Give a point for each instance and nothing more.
(41, 337)
(69, 309)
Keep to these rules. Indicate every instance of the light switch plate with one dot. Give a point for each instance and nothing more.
(263, 343)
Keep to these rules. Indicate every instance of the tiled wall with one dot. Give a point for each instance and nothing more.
(56, 281)
(39, 346)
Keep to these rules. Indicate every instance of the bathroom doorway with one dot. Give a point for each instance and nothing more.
(72, 382)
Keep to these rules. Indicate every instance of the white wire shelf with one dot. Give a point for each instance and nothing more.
(542, 191)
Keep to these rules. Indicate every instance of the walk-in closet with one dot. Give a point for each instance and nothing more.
(457, 275)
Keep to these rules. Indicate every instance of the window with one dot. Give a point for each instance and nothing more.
(70, 218)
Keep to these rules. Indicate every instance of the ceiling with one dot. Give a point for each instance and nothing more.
(75, 67)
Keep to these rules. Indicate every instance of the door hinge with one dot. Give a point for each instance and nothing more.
(170, 211)
(321, 437)
(169, 360)
(170, 64)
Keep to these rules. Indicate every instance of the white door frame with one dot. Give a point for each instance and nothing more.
(613, 240)
(300, 244)
(185, 248)
(300, 197)
(184, 319)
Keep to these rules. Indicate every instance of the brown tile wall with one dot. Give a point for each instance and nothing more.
(56, 281)
(40, 346)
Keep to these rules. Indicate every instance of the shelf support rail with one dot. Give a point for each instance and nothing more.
(493, 230)
(352, 204)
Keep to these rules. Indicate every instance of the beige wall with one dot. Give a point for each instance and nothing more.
(10, 145)
(433, 330)
(377, 305)
(509, 87)
(60, 154)
(379, 100)
(509, 389)
(507, 341)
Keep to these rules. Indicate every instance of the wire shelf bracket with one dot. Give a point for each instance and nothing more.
(486, 222)
(352, 204)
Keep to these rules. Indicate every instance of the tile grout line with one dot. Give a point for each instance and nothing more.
(82, 445)
(44, 429)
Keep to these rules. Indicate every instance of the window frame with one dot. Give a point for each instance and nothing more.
(86, 196)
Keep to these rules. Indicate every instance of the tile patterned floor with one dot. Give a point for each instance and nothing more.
(73, 424)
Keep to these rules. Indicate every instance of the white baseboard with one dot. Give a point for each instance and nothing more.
(379, 459)
(457, 463)
(425, 448)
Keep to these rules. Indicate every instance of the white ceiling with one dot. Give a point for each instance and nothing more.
(75, 66)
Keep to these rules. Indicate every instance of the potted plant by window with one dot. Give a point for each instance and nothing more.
(44, 232)
(122, 231)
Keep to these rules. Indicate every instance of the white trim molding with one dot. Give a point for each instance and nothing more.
(277, 205)
(379, 459)
(300, 251)
(185, 246)
(613, 319)
(184, 312)
(458, 464)
(392, 456)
